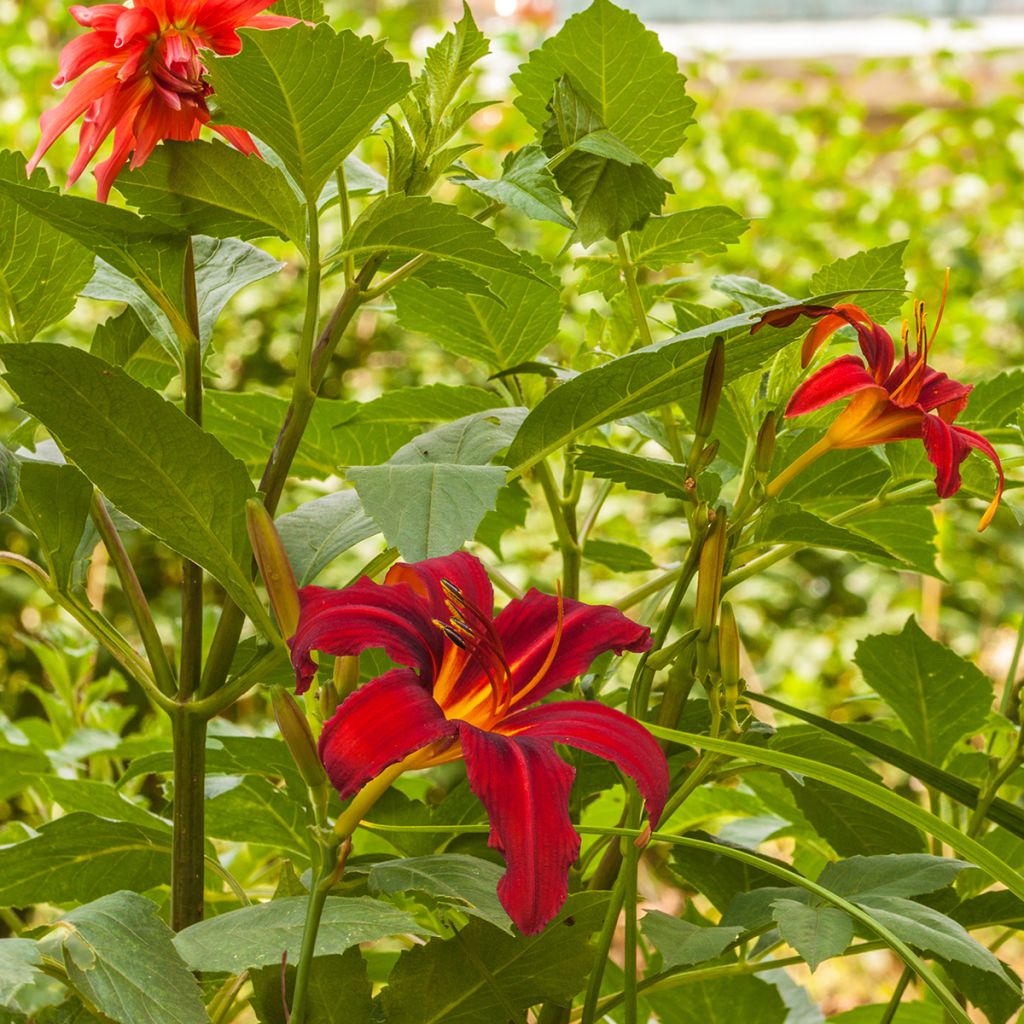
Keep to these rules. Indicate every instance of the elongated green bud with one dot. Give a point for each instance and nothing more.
(709, 580)
(764, 453)
(711, 392)
(276, 570)
(706, 457)
(298, 737)
(346, 675)
(728, 646)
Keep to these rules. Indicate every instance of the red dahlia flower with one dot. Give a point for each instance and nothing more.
(891, 401)
(474, 696)
(149, 85)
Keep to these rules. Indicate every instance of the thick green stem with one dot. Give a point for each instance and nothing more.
(189, 735)
(564, 519)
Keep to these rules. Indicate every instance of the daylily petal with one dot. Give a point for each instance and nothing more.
(600, 730)
(870, 418)
(788, 316)
(366, 614)
(378, 726)
(946, 450)
(528, 627)
(878, 349)
(976, 440)
(839, 379)
(943, 393)
(524, 785)
(462, 569)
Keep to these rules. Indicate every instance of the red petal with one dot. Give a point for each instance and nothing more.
(462, 569)
(878, 349)
(981, 443)
(600, 730)
(528, 626)
(788, 316)
(366, 614)
(938, 390)
(378, 726)
(946, 450)
(102, 17)
(842, 315)
(525, 787)
(839, 379)
(81, 53)
(238, 137)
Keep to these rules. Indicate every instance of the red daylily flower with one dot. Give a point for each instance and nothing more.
(891, 401)
(149, 85)
(474, 696)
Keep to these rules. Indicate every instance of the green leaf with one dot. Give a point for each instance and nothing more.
(525, 185)
(223, 268)
(146, 456)
(407, 226)
(939, 697)
(484, 975)
(905, 531)
(54, 504)
(10, 474)
(258, 935)
(467, 883)
(908, 1013)
(908, 874)
(120, 958)
(930, 931)
(320, 530)
(509, 512)
(994, 403)
(125, 341)
(637, 472)
(816, 933)
(874, 268)
(449, 61)
(304, 10)
(721, 1001)
(206, 188)
(622, 73)
(749, 292)
(283, 83)
(786, 522)
(21, 767)
(430, 497)
(144, 250)
(678, 237)
(248, 809)
(41, 268)
(338, 992)
(20, 969)
(681, 943)
(510, 328)
(618, 557)
(82, 857)
(100, 799)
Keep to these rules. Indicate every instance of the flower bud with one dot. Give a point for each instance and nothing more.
(298, 737)
(706, 457)
(711, 392)
(709, 581)
(276, 570)
(764, 453)
(346, 675)
(728, 647)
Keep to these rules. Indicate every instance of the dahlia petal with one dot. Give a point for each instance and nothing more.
(981, 444)
(101, 17)
(524, 785)
(839, 379)
(378, 726)
(606, 732)
(270, 21)
(237, 137)
(108, 169)
(946, 450)
(462, 569)
(134, 22)
(80, 54)
(528, 627)
(363, 615)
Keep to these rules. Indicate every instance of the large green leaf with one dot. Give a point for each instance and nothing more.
(717, 875)
(510, 328)
(101, 799)
(248, 809)
(41, 267)
(144, 250)
(467, 883)
(994, 403)
(678, 237)
(484, 974)
(258, 935)
(318, 531)
(54, 503)
(940, 698)
(125, 341)
(880, 268)
(623, 74)
(448, 63)
(338, 991)
(146, 456)
(206, 188)
(310, 93)
(407, 226)
(82, 857)
(525, 185)
(119, 956)
(10, 474)
(431, 495)
(786, 522)
(816, 933)
(20, 969)
(907, 874)
(721, 1001)
(637, 472)
(681, 943)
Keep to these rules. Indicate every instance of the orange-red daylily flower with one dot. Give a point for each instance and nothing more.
(474, 695)
(890, 401)
(149, 85)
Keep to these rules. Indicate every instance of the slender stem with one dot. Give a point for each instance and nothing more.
(646, 590)
(604, 944)
(346, 221)
(396, 276)
(161, 665)
(1009, 764)
(1011, 673)
(894, 1003)
(189, 735)
(303, 382)
(249, 677)
(595, 509)
(564, 529)
(629, 904)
